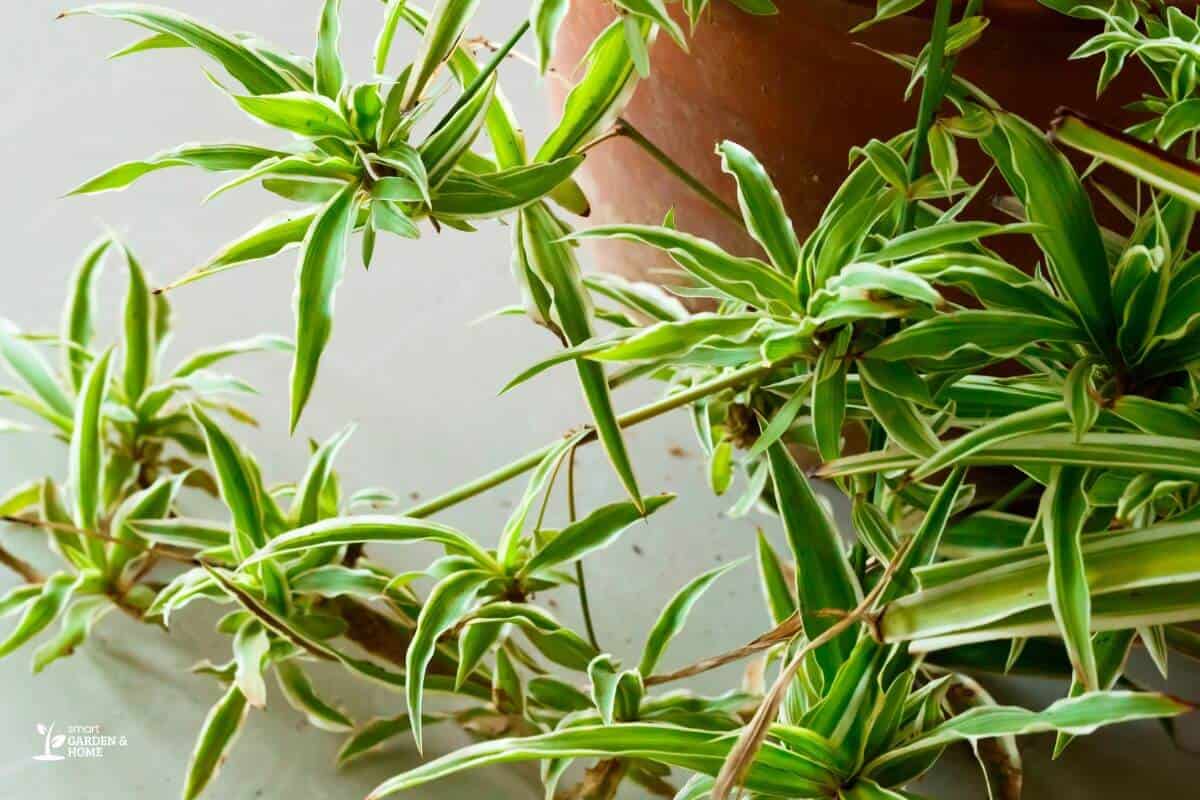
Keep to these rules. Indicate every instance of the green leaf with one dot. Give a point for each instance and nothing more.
(269, 237)
(447, 603)
(746, 279)
(779, 596)
(823, 576)
(153, 502)
(559, 644)
(776, 771)
(991, 596)
(780, 423)
(859, 279)
(138, 328)
(250, 647)
(1077, 715)
(302, 113)
(376, 732)
(54, 596)
(195, 534)
(829, 399)
(444, 148)
(507, 694)
(87, 454)
(997, 284)
(595, 531)
(1159, 168)
(998, 333)
(327, 64)
(406, 160)
(318, 275)
(18, 597)
(1158, 418)
(318, 171)
(604, 678)
(388, 216)
(674, 616)
(598, 98)
(239, 489)
(943, 156)
(557, 695)
(720, 467)
(306, 504)
(1112, 651)
(22, 497)
(944, 235)
(887, 9)
(508, 549)
(899, 417)
(367, 528)
(77, 324)
(1003, 428)
(554, 263)
(546, 16)
(473, 644)
(656, 11)
(1077, 396)
(76, 626)
(25, 363)
(447, 22)
(928, 536)
(218, 157)
(1054, 198)
(646, 299)
(217, 735)
(298, 691)
(250, 67)
(203, 359)
(498, 193)
(1064, 512)
(762, 206)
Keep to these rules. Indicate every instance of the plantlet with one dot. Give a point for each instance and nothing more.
(1024, 491)
(133, 447)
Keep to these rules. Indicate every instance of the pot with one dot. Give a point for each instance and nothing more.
(799, 92)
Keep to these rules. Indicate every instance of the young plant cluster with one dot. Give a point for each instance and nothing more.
(1009, 407)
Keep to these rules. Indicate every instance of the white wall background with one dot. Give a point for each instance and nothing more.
(405, 364)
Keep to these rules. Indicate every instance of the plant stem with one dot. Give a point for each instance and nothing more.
(625, 128)
(580, 577)
(490, 67)
(931, 98)
(755, 732)
(23, 568)
(737, 378)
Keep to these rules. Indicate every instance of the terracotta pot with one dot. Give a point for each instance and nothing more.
(797, 91)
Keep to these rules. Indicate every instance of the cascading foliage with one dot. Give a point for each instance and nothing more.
(1009, 407)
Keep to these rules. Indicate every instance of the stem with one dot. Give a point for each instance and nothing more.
(749, 743)
(20, 566)
(625, 128)
(41, 524)
(580, 578)
(530, 460)
(784, 631)
(931, 98)
(490, 67)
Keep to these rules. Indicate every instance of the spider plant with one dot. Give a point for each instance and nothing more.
(1008, 405)
(132, 444)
